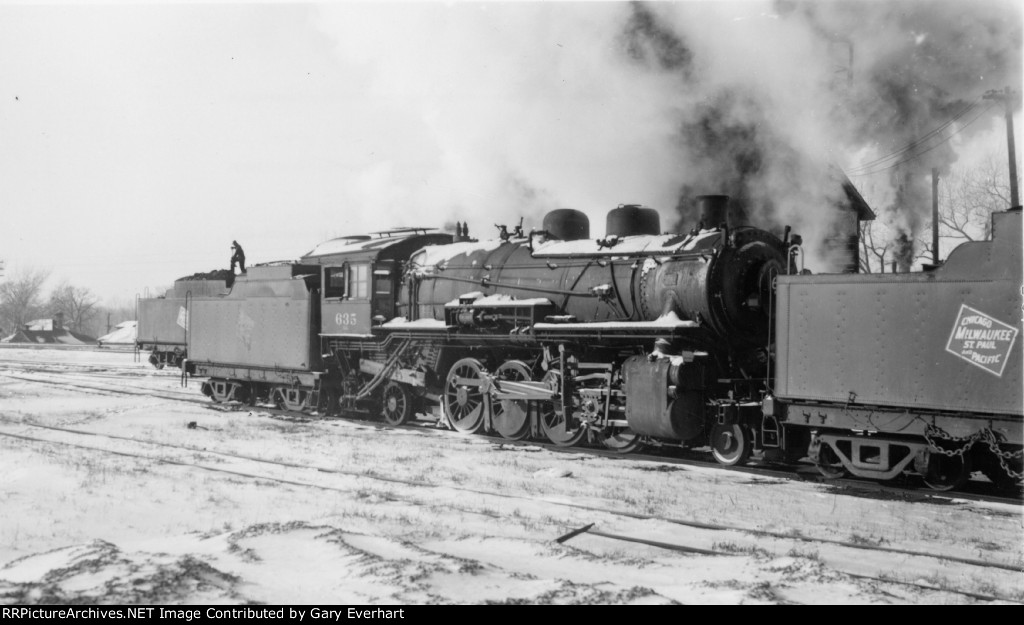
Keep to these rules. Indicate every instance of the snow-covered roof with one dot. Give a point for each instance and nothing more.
(40, 325)
(431, 256)
(660, 244)
(123, 334)
(350, 244)
(61, 336)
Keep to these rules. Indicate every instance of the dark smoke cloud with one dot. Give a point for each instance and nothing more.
(903, 251)
(925, 62)
(916, 65)
(523, 107)
(875, 77)
(647, 40)
(735, 153)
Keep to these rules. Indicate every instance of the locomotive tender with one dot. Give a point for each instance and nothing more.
(883, 373)
(640, 336)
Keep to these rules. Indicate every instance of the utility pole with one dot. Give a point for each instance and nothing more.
(1008, 98)
(935, 216)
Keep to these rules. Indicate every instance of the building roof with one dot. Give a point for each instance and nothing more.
(44, 331)
(123, 334)
(857, 203)
(853, 196)
(53, 337)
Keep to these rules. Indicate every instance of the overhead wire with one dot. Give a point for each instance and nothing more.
(923, 152)
(919, 141)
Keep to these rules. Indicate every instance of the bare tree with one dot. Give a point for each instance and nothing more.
(21, 298)
(77, 303)
(967, 199)
(108, 316)
(875, 243)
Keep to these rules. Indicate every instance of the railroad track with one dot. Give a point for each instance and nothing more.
(600, 511)
(91, 375)
(69, 348)
(62, 382)
(35, 365)
(975, 490)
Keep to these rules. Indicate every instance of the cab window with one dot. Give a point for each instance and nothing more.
(350, 281)
(334, 280)
(359, 281)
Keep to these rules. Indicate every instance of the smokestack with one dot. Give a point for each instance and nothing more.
(712, 209)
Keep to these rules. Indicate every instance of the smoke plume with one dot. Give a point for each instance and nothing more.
(519, 108)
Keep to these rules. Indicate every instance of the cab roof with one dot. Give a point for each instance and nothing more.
(370, 246)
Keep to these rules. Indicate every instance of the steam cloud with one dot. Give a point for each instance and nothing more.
(532, 106)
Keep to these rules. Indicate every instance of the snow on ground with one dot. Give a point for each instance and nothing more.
(250, 507)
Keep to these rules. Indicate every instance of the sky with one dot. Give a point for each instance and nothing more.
(137, 141)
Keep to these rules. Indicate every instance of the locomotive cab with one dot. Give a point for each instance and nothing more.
(359, 295)
(361, 275)
(347, 298)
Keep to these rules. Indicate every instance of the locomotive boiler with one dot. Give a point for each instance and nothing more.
(717, 277)
(553, 333)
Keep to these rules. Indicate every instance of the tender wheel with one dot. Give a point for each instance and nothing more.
(730, 444)
(464, 401)
(261, 394)
(221, 390)
(989, 464)
(621, 440)
(242, 393)
(292, 399)
(829, 464)
(561, 429)
(398, 404)
(947, 472)
(511, 417)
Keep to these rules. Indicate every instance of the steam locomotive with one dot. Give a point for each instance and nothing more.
(705, 337)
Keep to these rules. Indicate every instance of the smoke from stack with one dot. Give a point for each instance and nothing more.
(658, 103)
(903, 251)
